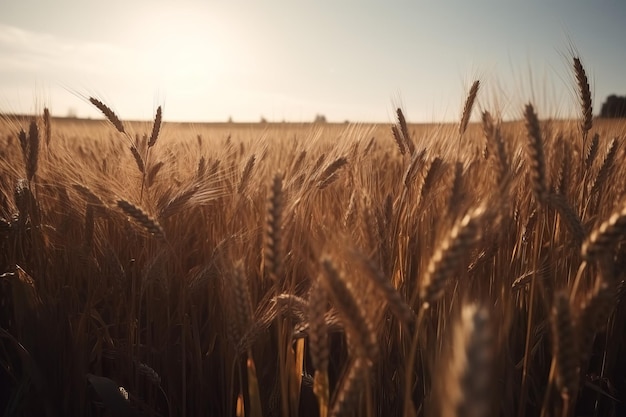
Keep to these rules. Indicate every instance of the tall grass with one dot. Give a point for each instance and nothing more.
(457, 270)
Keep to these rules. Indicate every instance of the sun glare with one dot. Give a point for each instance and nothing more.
(178, 49)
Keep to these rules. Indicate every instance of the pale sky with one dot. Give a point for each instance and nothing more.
(290, 60)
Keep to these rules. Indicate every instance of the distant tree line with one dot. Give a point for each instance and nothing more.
(613, 107)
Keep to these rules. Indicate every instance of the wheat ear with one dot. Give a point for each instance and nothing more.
(138, 159)
(565, 345)
(568, 215)
(585, 98)
(592, 152)
(108, 113)
(156, 128)
(239, 304)
(448, 255)
(467, 108)
(404, 129)
(33, 150)
(605, 168)
(178, 202)
(346, 302)
(272, 247)
(47, 125)
(602, 239)
(397, 137)
(495, 144)
(246, 174)
(330, 173)
(472, 365)
(535, 154)
(594, 314)
(347, 394)
(140, 216)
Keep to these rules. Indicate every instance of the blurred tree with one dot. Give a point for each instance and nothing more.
(614, 106)
(320, 118)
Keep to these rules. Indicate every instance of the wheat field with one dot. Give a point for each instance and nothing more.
(163, 269)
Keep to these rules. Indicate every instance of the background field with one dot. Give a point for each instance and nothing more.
(284, 269)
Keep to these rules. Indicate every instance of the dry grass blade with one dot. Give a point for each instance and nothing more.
(469, 104)
(89, 226)
(108, 113)
(535, 154)
(585, 97)
(565, 345)
(448, 255)
(140, 216)
(156, 128)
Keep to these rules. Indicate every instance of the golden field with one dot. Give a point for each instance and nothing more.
(315, 269)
